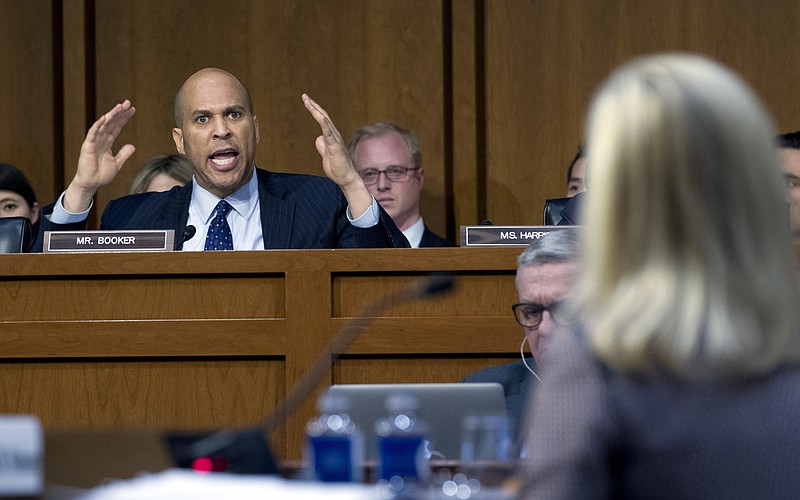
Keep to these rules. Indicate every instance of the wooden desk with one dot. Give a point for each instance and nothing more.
(203, 340)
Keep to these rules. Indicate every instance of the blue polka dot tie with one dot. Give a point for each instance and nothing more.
(219, 232)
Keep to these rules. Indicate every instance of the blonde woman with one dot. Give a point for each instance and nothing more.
(683, 381)
(162, 173)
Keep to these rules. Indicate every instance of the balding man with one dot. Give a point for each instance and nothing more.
(231, 204)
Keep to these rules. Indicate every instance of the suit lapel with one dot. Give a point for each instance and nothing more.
(277, 213)
(176, 213)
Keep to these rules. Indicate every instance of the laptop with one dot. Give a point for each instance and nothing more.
(441, 406)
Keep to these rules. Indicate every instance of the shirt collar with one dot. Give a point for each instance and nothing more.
(244, 200)
(414, 233)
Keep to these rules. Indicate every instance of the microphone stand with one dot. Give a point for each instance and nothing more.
(212, 444)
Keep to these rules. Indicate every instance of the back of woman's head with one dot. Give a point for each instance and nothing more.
(691, 264)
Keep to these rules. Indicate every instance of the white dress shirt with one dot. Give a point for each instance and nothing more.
(244, 220)
(414, 233)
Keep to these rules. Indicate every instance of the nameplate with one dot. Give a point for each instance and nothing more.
(109, 241)
(496, 236)
(21, 454)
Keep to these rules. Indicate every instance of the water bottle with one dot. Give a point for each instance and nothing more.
(335, 445)
(402, 441)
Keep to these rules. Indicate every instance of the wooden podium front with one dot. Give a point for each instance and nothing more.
(193, 340)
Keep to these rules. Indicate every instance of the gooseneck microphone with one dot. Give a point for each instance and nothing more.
(188, 233)
(229, 438)
(428, 288)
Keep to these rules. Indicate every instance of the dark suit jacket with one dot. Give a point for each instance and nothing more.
(517, 384)
(431, 239)
(297, 211)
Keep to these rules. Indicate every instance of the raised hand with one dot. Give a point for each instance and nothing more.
(98, 165)
(336, 162)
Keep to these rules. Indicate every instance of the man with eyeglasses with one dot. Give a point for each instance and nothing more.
(546, 271)
(389, 161)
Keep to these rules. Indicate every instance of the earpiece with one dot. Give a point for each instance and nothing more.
(522, 353)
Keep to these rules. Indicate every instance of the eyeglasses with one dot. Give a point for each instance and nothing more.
(395, 173)
(530, 315)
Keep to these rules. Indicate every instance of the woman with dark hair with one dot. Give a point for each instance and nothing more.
(16, 195)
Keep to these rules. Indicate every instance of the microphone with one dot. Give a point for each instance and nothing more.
(435, 285)
(188, 233)
(231, 439)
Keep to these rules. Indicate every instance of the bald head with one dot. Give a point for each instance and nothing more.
(216, 130)
(178, 103)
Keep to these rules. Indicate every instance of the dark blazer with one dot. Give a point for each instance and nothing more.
(297, 211)
(517, 384)
(431, 239)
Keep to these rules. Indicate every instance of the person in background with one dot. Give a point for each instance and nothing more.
(681, 379)
(17, 198)
(789, 152)
(546, 271)
(162, 173)
(576, 175)
(230, 204)
(389, 160)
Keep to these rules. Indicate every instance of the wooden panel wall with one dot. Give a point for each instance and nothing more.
(496, 90)
(545, 58)
(27, 88)
(363, 60)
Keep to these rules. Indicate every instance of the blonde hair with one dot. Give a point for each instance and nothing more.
(689, 264)
(175, 165)
(383, 128)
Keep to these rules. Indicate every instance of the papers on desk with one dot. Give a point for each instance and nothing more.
(177, 484)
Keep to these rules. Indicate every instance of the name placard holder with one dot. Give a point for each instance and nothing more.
(496, 236)
(109, 241)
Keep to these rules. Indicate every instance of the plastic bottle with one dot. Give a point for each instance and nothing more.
(402, 441)
(335, 445)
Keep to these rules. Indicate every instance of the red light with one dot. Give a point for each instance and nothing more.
(203, 465)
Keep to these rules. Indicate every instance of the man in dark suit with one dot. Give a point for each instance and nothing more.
(389, 161)
(252, 209)
(546, 270)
